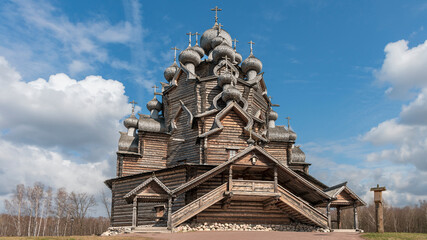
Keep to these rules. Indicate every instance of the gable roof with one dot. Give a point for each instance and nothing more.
(334, 191)
(145, 183)
(209, 174)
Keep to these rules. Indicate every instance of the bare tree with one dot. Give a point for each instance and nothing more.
(106, 201)
(61, 207)
(16, 206)
(80, 203)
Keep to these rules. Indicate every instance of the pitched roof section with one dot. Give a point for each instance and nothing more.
(334, 191)
(207, 175)
(145, 183)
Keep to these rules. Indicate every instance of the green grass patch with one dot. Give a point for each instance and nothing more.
(395, 236)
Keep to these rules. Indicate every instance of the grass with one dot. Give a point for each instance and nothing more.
(78, 238)
(395, 236)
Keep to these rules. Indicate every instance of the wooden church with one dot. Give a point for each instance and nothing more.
(210, 150)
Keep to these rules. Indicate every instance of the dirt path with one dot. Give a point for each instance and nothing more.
(253, 236)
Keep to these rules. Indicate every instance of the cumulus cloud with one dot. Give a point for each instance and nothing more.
(61, 131)
(62, 112)
(403, 67)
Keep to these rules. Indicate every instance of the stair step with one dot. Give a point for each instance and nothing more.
(344, 230)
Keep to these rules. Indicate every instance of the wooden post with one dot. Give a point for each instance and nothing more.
(275, 179)
(328, 214)
(338, 218)
(135, 212)
(379, 214)
(230, 178)
(170, 213)
(356, 223)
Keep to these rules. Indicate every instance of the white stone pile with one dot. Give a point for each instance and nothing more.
(296, 227)
(116, 230)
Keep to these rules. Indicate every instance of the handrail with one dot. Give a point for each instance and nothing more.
(197, 204)
(281, 189)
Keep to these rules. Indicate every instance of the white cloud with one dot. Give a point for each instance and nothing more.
(78, 67)
(404, 67)
(61, 131)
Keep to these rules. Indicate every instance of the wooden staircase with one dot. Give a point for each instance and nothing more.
(300, 210)
(198, 205)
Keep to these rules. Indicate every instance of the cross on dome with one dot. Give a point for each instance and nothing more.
(175, 49)
(155, 89)
(216, 9)
(133, 105)
(226, 58)
(251, 43)
(189, 38)
(196, 34)
(235, 41)
(289, 118)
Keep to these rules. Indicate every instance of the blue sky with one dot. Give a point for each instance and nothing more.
(350, 74)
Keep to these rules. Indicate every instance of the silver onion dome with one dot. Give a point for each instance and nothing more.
(170, 71)
(199, 50)
(217, 41)
(231, 93)
(154, 104)
(131, 121)
(292, 135)
(221, 51)
(251, 63)
(237, 57)
(226, 78)
(272, 115)
(190, 56)
(210, 34)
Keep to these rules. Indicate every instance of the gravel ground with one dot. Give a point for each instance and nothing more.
(251, 236)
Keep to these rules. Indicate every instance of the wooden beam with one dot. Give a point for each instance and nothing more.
(135, 212)
(275, 179)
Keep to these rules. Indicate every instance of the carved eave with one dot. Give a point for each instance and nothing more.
(165, 192)
(217, 125)
(188, 72)
(181, 109)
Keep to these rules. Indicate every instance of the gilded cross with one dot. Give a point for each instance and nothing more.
(216, 9)
(133, 105)
(235, 43)
(196, 34)
(189, 38)
(251, 43)
(288, 121)
(174, 57)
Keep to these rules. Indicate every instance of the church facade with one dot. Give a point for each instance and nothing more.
(210, 150)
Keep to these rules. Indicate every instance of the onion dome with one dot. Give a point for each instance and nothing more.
(217, 41)
(131, 121)
(292, 135)
(170, 71)
(210, 34)
(226, 78)
(297, 155)
(190, 56)
(272, 115)
(237, 57)
(231, 93)
(199, 50)
(154, 104)
(251, 63)
(221, 51)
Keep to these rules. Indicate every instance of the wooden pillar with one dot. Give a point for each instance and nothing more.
(170, 213)
(275, 179)
(379, 208)
(356, 223)
(135, 212)
(338, 218)
(230, 178)
(328, 214)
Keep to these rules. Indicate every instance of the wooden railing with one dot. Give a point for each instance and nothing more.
(303, 207)
(198, 205)
(252, 186)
